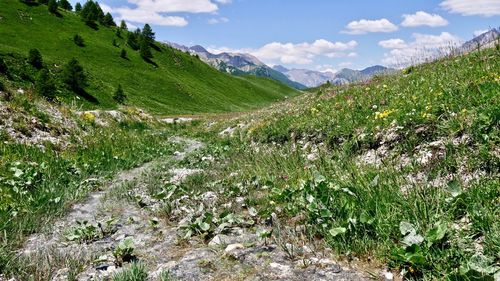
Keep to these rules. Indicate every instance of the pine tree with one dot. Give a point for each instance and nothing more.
(3, 67)
(65, 5)
(118, 33)
(108, 20)
(35, 58)
(123, 25)
(52, 6)
(44, 85)
(123, 54)
(145, 49)
(74, 76)
(78, 7)
(100, 13)
(79, 40)
(89, 13)
(133, 39)
(120, 96)
(148, 34)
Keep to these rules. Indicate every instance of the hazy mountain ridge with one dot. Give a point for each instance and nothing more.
(238, 64)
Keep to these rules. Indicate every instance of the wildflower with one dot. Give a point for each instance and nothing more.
(384, 114)
(89, 117)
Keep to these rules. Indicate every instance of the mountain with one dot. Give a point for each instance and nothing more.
(485, 40)
(172, 82)
(313, 79)
(238, 64)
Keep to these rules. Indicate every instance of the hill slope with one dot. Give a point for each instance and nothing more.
(179, 84)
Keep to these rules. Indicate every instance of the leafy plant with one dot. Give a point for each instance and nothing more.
(124, 251)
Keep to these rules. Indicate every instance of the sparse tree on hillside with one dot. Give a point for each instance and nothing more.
(3, 67)
(44, 85)
(100, 13)
(118, 33)
(52, 6)
(65, 5)
(120, 96)
(123, 54)
(35, 58)
(145, 49)
(79, 40)
(89, 13)
(133, 39)
(148, 34)
(74, 76)
(78, 7)
(123, 25)
(108, 20)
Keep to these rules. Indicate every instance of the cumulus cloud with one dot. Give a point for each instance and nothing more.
(485, 8)
(300, 53)
(156, 11)
(424, 47)
(393, 44)
(422, 18)
(218, 20)
(367, 26)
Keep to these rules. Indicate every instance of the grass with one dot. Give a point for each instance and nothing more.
(136, 272)
(178, 84)
(402, 170)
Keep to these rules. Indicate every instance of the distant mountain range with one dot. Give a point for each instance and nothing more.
(244, 64)
(238, 64)
(485, 40)
(312, 78)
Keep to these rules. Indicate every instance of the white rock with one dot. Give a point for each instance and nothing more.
(233, 247)
(216, 241)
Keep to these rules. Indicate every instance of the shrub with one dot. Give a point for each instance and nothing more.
(3, 67)
(44, 85)
(120, 96)
(52, 6)
(35, 58)
(123, 54)
(73, 75)
(79, 40)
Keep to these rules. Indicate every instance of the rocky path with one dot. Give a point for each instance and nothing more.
(123, 215)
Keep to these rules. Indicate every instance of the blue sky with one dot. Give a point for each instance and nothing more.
(313, 34)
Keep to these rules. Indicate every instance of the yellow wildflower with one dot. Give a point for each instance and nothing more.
(89, 117)
(384, 114)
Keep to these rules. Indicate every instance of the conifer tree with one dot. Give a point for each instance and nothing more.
(44, 85)
(123, 54)
(123, 25)
(148, 34)
(145, 49)
(108, 20)
(78, 7)
(73, 76)
(52, 6)
(64, 4)
(35, 58)
(79, 40)
(120, 96)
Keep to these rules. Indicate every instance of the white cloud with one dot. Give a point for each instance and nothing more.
(218, 20)
(345, 64)
(424, 47)
(479, 32)
(366, 26)
(300, 53)
(156, 11)
(421, 18)
(393, 44)
(485, 8)
(326, 68)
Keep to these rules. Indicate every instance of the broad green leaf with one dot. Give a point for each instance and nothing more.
(406, 228)
(337, 231)
(454, 188)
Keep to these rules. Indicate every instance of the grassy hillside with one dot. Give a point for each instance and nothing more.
(178, 84)
(399, 172)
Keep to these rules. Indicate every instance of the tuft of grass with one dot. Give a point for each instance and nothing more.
(136, 272)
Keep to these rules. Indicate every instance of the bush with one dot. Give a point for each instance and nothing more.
(52, 6)
(73, 76)
(120, 96)
(3, 67)
(44, 85)
(35, 58)
(79, 40)
(123, 54)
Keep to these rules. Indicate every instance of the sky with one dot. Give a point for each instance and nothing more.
(324, 35)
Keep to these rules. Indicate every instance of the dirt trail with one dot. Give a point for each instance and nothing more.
(124, 210)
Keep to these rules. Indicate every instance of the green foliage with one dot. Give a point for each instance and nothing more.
(123, 25)
(145, 49)
(108, 20)
(44, 2)
(148, 34)
(52, 5)
(136, 272)
(2, 86)
(78, 7)
(64, 4)
(79, 40)
(119, 95)
(3, 66)
(73, 76)
(124, 251)
(123, 54)
(133, 39)
(35, 58)
(44, 85)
